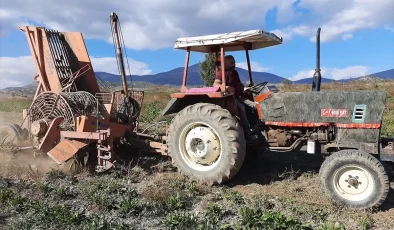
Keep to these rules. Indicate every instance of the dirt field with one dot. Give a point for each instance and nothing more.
(277, 191)
(10, 117)
(147, 193)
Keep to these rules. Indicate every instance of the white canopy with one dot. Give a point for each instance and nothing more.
(233, 41)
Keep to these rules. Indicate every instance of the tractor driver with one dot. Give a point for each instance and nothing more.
(235, 86)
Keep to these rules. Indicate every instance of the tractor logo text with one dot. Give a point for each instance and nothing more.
(334, 112)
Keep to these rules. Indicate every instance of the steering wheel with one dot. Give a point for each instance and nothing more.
(255, 89)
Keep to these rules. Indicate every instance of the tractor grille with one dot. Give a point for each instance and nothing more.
(359, 113)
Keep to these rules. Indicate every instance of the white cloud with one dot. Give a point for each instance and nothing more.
(16, 71)
(110, 65)
(349, 72)
(389, 27)
(339, 18)
(10, 19)
(334, 73)
(290, 31)
(255, 66)
(148, 24)
(20, 71)
(169, 19)
(307, 74)
(347, 36)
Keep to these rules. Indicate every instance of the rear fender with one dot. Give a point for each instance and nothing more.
(177, 104)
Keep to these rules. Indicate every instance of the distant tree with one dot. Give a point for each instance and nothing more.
(207, 69)
(287, 82)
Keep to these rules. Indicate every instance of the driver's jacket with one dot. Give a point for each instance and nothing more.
(233, 80)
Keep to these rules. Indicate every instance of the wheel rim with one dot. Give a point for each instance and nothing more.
(353, 182)
(200, 146)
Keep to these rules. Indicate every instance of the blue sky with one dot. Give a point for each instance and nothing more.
(357, 35)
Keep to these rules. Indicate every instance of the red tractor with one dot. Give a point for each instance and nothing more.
(207, 143)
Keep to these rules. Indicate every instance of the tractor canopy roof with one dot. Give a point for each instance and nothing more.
(234, 41)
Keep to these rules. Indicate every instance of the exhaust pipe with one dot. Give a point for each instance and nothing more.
(317, 76)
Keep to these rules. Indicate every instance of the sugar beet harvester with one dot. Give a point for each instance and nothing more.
(71, 115)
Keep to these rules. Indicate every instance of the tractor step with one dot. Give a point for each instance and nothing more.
(106, 157)
(106, 166)
(103, 148)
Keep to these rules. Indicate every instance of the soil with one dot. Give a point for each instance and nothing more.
(286, 183)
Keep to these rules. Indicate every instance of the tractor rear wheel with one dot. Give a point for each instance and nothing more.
(206, 143)
(354, 179)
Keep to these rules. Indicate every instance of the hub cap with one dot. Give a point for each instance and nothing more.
(200, 146)
(353, 183)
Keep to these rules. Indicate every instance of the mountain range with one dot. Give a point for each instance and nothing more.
(174, 77)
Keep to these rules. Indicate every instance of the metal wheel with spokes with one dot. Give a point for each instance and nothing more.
(354, 179)
(206, 143)
(9, 134)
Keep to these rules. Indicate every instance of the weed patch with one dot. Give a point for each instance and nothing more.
(39, 214)
(263, 219)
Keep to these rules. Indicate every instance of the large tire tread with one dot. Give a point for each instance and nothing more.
(228, 128)
(367, 161)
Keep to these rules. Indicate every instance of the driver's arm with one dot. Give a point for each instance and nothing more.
(217, 83)
(240, 86)
(218, 80)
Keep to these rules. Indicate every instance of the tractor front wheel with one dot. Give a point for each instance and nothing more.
(354, 179)
(206, 143)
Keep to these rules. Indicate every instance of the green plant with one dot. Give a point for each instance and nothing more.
(232, 195)
(130, 206)
(208, 69)
(150, 112)
(364, 223)
(262, 219)
(211, 218)
(180, 220)
(329, 225)
(174, 203)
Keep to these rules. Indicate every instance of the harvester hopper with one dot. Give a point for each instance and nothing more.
(73, 113)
